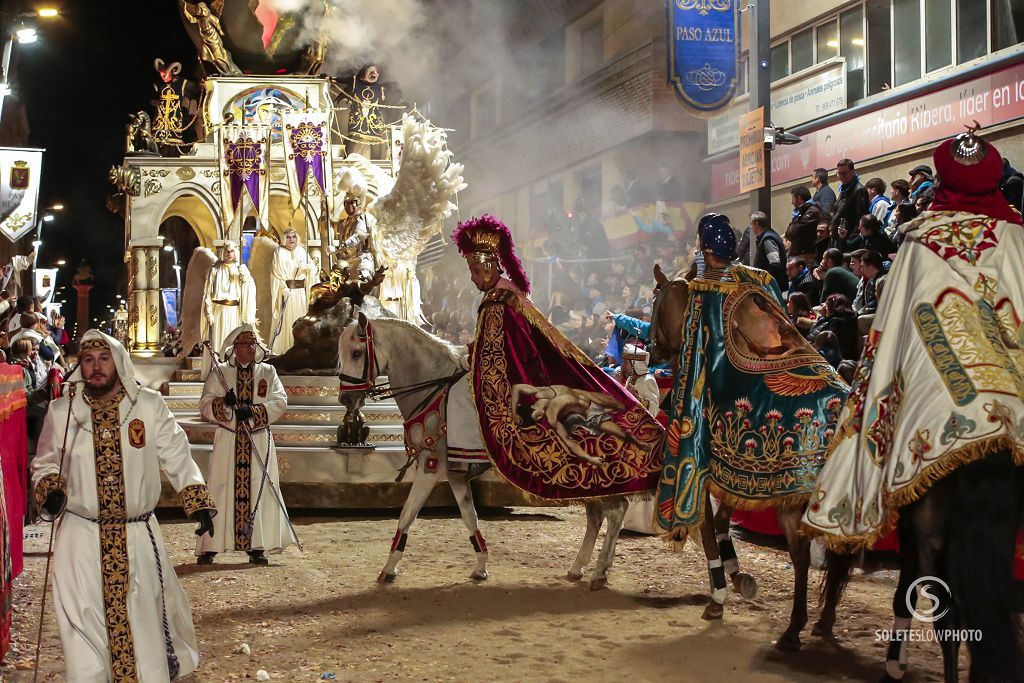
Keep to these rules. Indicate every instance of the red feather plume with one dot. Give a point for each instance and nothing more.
(510, 263)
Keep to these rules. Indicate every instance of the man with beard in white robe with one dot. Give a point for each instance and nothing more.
(292, 279)
(121, 612)
(230, 300)
(243, 397)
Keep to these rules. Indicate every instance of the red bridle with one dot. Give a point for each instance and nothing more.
(369, 376)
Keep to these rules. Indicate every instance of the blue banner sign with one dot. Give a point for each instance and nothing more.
(704, 52)
(170, 297)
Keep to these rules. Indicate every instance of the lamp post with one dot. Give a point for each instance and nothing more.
(24, 33)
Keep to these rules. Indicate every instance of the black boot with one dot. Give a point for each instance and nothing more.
(257, 557)
(476, 469)
(206, 558)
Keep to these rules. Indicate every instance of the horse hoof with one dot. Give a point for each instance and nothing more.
(713, 611)
(574, 576)
(745, 585)
(822, 630)
(598, 584)
(384, 577)
(480, 575)
(788, 643)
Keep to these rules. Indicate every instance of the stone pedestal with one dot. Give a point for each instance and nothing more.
(82, 310)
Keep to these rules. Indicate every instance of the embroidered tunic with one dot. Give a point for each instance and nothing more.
(236, 475)
(941, 380)
(121, 612)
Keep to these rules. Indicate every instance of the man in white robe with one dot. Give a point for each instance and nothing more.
(230, 300)
(121, 612)
(639, 382)
(243, 399)
(292, 279)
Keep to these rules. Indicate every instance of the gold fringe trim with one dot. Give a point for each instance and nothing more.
(913, 491)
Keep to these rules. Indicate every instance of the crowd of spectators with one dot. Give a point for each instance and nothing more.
(37, 343)
(838, 247)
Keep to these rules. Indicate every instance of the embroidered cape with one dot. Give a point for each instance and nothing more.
(753, 408)
(523, 368)
(941, 378)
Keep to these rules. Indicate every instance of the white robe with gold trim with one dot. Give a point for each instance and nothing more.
(270, 531)
(226, 282)
(289, 265)
(150, 441)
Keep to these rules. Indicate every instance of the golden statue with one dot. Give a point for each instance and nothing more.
(210, 32)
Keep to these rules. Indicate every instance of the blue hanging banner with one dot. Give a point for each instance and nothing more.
(704, 52)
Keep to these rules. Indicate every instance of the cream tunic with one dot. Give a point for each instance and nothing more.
(289, 304)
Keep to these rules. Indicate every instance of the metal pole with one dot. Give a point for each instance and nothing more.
(759, 77)
(8, 48)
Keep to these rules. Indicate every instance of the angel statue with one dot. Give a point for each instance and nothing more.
(409, 210)
(212, 49)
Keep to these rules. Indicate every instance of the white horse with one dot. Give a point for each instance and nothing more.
(418, 365)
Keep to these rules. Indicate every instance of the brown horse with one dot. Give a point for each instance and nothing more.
(670, 306)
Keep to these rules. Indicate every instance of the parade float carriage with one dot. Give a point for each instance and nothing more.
(213, 161)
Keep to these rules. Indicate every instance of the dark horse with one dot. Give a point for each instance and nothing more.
(670, 304)
(957, 544)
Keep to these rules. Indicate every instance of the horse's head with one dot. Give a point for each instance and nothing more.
(357, 363)
(670, 299)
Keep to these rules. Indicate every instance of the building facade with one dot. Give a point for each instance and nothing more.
(878, 82)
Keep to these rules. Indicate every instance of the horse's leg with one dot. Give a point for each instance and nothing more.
(464, 497)
(742, 583)
(928, 520)
(422, 485)
(594, 518)
(615, 512)
(896, 654)
(716, 573)
(838, 567)
(800, 556)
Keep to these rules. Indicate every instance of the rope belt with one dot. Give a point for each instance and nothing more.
(226, 302)
(173, 665)
(295, 284)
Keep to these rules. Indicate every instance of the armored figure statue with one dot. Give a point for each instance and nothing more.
(171, 120)
(355, 239)
(353, 430)
(369, 101)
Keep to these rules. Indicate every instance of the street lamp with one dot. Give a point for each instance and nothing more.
(25, 33)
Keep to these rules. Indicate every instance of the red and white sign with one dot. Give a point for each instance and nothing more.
(991, 99)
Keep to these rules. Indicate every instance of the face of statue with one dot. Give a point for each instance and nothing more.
(99, 372)
(371, 74)
(291, 240)
(484, 275)
(351, 206)
(230, 253)
(245, 350)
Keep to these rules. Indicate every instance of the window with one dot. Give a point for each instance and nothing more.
(971, 41)
(907, 44)
(1007, 23)
(938, 30)
(879, 58)
(827, 41)
(592, 48)
(780, 61)
(851, 36)
(802, 50)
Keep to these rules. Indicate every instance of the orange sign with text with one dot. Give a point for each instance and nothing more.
(752, 150)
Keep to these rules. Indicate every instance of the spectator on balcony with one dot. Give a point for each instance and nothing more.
(879, 205)
(852, 202)
(771, 253)
(835, 279)
(900, 193)
(803, 228)
(824, 196)
(921, 180)
(800, 278)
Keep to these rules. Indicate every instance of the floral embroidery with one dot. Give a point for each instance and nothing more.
(956, 428)
(195, 497)
(919, 445)
(885, 413)
(859, 390)
(965, 240)
(243, 467)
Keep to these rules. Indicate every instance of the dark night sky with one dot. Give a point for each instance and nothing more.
(89, 70)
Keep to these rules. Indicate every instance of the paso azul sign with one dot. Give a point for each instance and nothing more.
(703, 52)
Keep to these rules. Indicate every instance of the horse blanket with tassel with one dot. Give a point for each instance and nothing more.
(753, 408)
(941, 379)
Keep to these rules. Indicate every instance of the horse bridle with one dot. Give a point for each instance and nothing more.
(367, 381)
(670, 352)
